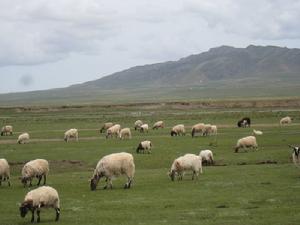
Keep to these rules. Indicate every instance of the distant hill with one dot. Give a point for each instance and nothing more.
(220, 72)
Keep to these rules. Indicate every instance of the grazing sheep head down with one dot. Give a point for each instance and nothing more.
(25, 207)
(172, 175)
(173, 133)
(94, 182)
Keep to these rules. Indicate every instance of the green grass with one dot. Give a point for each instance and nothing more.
(238, 191)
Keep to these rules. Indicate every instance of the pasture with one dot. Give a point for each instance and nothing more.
(254, 187)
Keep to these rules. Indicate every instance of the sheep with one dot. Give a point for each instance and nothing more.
(138, 124)
(72, 133)
(244, 122)
(113, 165)
(187, 162)
(4, 171)
(207, 157)
(144, 145)
(158, 124)
(42, 197)
(8, 129)
(125, 132)
(246, 142)
(144, 128)
(214, 130)
(113, 131)
(35, 168)
(178, 130)
(257, 132)
(198, 128)
(207, 130)
(286, 120)
(106, 126)
(23, 138)
(295, 155)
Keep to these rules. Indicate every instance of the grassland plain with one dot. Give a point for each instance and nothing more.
(254, 187)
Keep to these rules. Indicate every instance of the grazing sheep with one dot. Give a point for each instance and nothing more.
(207, 157)
(106, 126)
(125, 132)
(138, 124)
(113, 131)
(198, 128)
(286, 120)
(244, 122)
(4, 171)
(187, 162)
(257, 132)
(144, 146)
(144, 128)
(246, 142)
(35, 168)
(178, 130)
(42, 197)
(295, 155)
(114, 165)
(72, 133)
(23, 138)
(158, 124)
(207, 130)
(7, 130)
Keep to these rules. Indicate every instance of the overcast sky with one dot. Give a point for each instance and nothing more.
(46, 44)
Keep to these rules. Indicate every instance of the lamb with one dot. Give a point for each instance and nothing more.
(7, 130)
(113, 131)
(187, 162)
(72, 133)
(125, 132)
(198, 128)
(4, 171)
(42, 197)
(106, 126)
(23, 138)
(112, 165)
(286, 120)
(144, 146)
(246, 142)
(295, 155)
(158, 124)
(178, 130)
(207, 157)
(257, 132)
(35, 168)
(138, 124)
(244, 122)
(144, 128)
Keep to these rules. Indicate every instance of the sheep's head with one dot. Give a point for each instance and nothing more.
(2, 133)
(94, 182)
(173, 133)
(24, 180)
(25, 207)
(172, 175)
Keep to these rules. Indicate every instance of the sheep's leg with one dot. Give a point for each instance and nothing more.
(110, 183)
(38, 215)
(8, 181)
(40, 178)
(32, 216)
(193, 175)
(45, 179)
(128, 184)
(57, 214)
(0, 180)
(30, 182)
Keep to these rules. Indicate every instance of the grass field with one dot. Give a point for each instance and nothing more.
(241, 189)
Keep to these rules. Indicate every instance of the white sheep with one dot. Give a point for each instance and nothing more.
(4, 171)
(246, 142)
(42, 197)
(257, 132)
(114, 165)
(113, 131)
(285, 120)
(125, 133)
(207, 130)
(207, 157)
(72, 133)
(158, 124)
(35, 168)
(214, 130)
(106, 126)
(295, 155)
(138, 124)
(7, 130)
(198, 128)
(144, 146)
(144, 128)
(188, 162)
(178, 130)
(23, 138)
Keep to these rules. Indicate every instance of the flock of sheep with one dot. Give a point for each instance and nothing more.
(122, 163)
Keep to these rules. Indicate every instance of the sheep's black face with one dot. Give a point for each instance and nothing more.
(24, 180)
(172, 175)
(297, 151)
(173, 133)
(94, 183)
(23, 210)
(2, 133)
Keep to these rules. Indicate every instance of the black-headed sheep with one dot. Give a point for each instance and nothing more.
(178, 130)
(246, 142)
(7, 130)
(105, 126)
(144, 146)
(35, 168)
(72, 133)
(23, 138)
